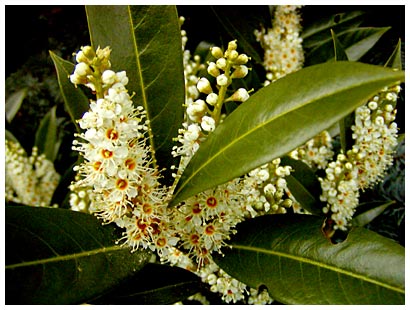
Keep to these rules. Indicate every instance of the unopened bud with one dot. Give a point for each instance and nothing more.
(222, 80)
(212, 99)
(221, 63)
(216, 52)
(240, 72)
(213, 69)
(204, 86)
(232, 45)
(231, 55)
(242, 59)
(240, 95)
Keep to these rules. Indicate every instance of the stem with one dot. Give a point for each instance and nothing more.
(216, 113)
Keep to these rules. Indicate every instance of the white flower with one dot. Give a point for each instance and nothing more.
(208, 123)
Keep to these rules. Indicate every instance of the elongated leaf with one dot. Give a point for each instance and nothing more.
(314, 34)
(146, 42)
(57, 256)
(280, 117)
(375, 209)
(13, 103)
(304, 185)
(154, 284)
(10, 137)
(291, 257)
(76, 103)
(46, 135)
(394, 60)
(357, 42)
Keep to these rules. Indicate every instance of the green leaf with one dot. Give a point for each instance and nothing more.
(357, 42)
(76, 102)
(394, 60)
(373, 210)
(46, 135)
(13, 103)
(318, 32)
(280, 117)
(154, 284)
(291, 257)
(146, 43)
(304, 185)
(57, 256)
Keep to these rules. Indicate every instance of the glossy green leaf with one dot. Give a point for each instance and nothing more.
(57, 256)
(76, 102)
(146, 43)
(304, 185)
(394, 60)
(314, 34)
(46, 135)
(280, 117)
(372, 211)
(357, 42)
(155, 284)
(290, 256)
(13, 103)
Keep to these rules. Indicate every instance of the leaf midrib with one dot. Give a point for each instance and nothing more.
(247, 133)
(65, 257)
(319, 264)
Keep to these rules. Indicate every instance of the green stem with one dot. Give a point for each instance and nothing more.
(216, 113)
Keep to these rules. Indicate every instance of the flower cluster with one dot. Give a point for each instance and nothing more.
(117, 166)
(29, 180)
(375, 136)
(282, 43)
(316, 152)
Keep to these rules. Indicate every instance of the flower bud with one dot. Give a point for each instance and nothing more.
(232, 45)
(88, 52)
(208, 123)
(108, 77)
(212, 99)
(240, 95)
(213, 69)
(240, 72)
(222, 80)
(216, 52)
(204, 86)
(231, 55)
(242, 59)
(221, 63)
(82, 69)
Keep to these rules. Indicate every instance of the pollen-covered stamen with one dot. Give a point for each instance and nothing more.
(121, 184)
(112, 134)
(147, 208)
(196, 209)
(210, 230)
(107, 154)
(211, 202)
(161, 242)
(97, 166)
(130, 163)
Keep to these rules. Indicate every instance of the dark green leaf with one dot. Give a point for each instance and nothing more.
(290, 256)
(154, 284)
(76, 103)
(318, 32)
(304, 185)
(276, 120)
(46, 135)
(372, 211)
(357, 42)
(57, 256)
(394, 60)
(13, 103)
(146, 43)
